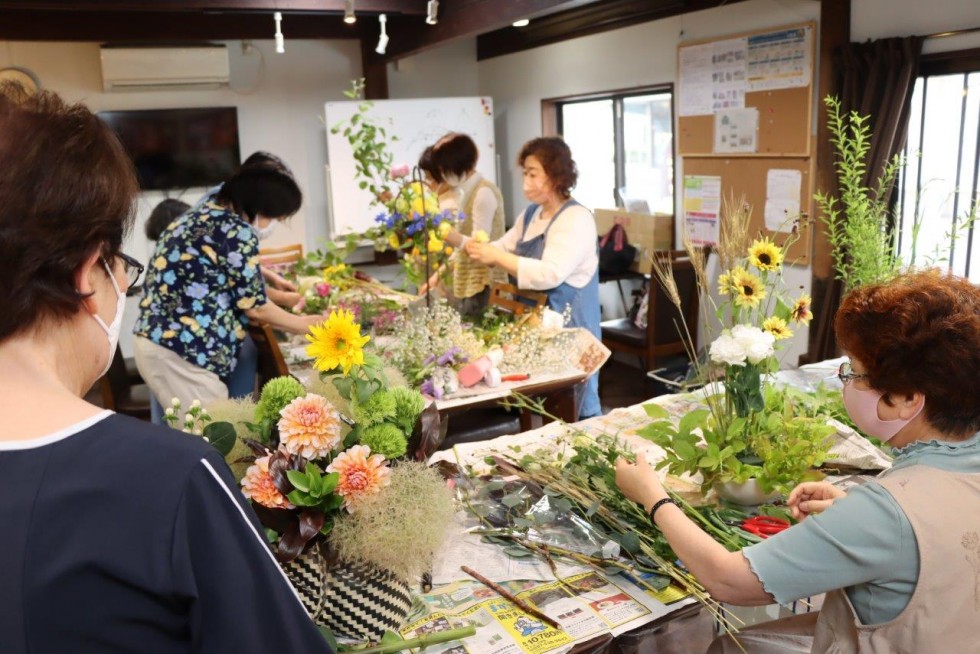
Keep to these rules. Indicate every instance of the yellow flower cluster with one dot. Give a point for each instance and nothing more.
(337, 343)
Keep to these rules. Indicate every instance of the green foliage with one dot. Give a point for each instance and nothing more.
(372, 160)
(333, 254)
(379, 407)
(313, 489)
(409, 404)
(276, 395)
(221, 435)
(386, 439)
(859, 222)
(778, 447)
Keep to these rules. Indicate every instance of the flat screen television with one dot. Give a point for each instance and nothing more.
(179, 148)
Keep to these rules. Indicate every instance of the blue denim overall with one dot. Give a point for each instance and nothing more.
(584, 302)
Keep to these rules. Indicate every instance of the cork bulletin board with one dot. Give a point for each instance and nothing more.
(745, 104)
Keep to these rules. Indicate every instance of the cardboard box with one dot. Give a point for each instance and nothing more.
(648, 232)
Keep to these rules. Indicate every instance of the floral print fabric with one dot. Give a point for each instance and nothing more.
(203, 277)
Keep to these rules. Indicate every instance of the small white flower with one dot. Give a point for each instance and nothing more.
(198, 432)
(169, 411)
(196, 404)
(175, 402)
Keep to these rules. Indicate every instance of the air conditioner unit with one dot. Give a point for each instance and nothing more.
(164, 68)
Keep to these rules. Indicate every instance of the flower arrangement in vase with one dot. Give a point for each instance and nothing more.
(748, 431)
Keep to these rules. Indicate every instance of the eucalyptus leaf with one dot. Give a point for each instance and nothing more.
(518, 552)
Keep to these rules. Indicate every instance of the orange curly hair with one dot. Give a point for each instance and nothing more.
(919, 332)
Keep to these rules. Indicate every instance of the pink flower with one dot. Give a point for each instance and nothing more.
(309, 426)
(257, 485)
(362, 475)
(323, 289)
(399, 171)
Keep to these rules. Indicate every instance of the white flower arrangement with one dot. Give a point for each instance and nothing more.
(742, 343)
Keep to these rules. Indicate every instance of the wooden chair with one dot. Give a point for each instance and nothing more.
(271, 363)
(665, 324)
(281, 259)
(517, 301)
(123, 393)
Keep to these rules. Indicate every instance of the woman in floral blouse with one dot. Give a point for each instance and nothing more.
(204, 284)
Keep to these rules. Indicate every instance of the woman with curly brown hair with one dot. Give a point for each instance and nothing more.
(118, 535)
(899, 557)
(552, 247)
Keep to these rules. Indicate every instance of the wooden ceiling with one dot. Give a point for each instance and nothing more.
(146, 21)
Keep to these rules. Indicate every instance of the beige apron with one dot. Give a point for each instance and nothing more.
(470, 277)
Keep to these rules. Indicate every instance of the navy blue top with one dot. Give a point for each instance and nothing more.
(120, 536)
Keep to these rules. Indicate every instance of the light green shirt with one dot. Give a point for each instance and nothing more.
(863, 543)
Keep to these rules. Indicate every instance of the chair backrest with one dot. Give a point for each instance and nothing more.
(271, 363)
(665, 323)
(281, 259)
(517, 301)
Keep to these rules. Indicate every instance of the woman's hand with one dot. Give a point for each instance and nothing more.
(812, 497)
(483, 252)
(433, 283)
(639, 482)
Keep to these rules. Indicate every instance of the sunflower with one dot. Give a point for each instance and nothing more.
(801, 310)
(747, 288)
(725, 282)
(337, 342)
(765, 255)
(777, 327)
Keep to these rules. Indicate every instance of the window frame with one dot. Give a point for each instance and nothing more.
(551, 124)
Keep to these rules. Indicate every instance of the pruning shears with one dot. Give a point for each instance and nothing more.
(764, 526)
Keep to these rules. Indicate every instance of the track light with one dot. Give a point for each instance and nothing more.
(432, 12)
(383, 37)
(524, 22)
(349, 16)
(280, 41)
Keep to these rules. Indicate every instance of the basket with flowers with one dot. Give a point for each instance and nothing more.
(324, 470)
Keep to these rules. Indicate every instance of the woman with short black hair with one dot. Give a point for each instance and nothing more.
(118, 536)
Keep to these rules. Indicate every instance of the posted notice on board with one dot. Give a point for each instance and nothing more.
(702, 208)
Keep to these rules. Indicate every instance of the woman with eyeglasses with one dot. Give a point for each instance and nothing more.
(204, 283)
(898, 557)
(118, 535)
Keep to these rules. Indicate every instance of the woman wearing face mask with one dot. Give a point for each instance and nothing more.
(551, 247)
(450, 168)
(118, 536)
(900, 556)
(204, 284)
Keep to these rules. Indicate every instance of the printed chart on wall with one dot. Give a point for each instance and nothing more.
(702, 208)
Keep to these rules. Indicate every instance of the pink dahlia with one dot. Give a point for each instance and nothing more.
(257, 485)
(309, 426)
(362, 475)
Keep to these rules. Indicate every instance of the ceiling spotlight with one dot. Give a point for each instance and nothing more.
(349, 16)
(280, 41)
(383, 37)
(524, 22)
(432, 12)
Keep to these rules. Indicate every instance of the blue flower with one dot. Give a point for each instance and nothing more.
(197, 290)
(169, 277)
(186, 336)
(197, 305)
(156, 334)
(222, 332)
(173, 256)
(235, 259)
(201, 359)
(223, 300)
(203, 320)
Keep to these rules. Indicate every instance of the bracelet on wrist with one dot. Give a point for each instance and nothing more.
(660, 503)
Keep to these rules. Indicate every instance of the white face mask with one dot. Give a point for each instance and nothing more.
(265, 232)
(452, 180)
(112, 331)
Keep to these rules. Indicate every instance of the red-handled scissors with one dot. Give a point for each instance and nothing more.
(764, 526)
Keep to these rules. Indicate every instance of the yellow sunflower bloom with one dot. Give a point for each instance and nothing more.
(726, 284)
(337, 343)
(801, 310)
(747, 288)
(765, 255)
(777, 327)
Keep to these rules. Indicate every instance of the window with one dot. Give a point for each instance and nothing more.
(623, 144)
(938, 188)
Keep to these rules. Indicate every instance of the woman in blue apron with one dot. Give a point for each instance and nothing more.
(552, 248)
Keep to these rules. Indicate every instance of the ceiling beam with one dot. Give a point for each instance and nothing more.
(410, 7)
(460, 19)
(583, 21)
(144, 27)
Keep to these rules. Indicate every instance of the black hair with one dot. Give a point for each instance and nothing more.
(263, 158)
(162, 215)
(264, 189)
(455, 154)
(427, 165)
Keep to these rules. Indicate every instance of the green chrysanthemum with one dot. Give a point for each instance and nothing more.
(381, 406)
(276, 394)
(409, 404)
(385, 439)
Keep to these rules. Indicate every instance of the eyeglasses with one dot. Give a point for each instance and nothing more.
(134, 273)
(845, 373)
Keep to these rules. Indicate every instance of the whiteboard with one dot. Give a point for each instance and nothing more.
(416, 124)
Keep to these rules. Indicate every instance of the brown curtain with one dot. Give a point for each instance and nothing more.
(877, 78)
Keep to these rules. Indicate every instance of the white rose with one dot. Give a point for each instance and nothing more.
(727, 350)
(754, 342)
(551, 320)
